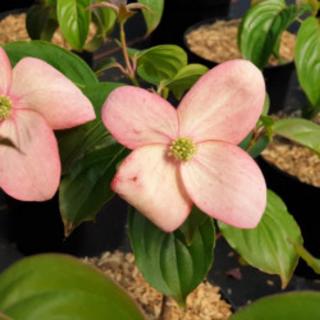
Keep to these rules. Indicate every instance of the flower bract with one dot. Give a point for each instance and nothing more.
(189, 155)
(35, 99)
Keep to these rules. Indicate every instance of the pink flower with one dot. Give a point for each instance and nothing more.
(190, 155)
(35, 99)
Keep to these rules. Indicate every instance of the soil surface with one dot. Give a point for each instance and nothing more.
(217, 42)
(205, 303)
(294, 159)
(13, 28)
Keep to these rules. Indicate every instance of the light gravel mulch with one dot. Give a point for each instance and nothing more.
(294, 159)
(13, 28)
(205, 303)
(217, 42)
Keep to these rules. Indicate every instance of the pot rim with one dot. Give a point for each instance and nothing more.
(214, 63)
(291, 177)
(4, 14)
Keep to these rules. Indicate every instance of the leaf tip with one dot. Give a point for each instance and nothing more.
(68, 228)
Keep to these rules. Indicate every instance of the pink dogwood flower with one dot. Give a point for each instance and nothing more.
(190, 155)
(35, 99)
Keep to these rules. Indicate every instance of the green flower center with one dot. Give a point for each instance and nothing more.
(5, 107)
(183, 149)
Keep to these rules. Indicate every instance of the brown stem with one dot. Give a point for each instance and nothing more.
(124, 47)
(137, 6)
(162, 315)
(160, 89)
(114, 65)
(104, 5)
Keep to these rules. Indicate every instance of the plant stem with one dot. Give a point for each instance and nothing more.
(162, 315)
(311, 261)
(124, 47)
(259, 132)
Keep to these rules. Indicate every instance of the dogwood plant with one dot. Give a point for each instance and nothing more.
(35, 99)
(190, 155)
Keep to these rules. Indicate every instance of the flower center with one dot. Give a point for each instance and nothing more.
(183, 149)
(5, 107)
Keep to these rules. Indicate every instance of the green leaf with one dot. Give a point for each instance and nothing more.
(161, 63)
(259, 139)
(153, 14)
(167, 261)
(192, 224)
(262, 26)
(55, 287)
(74, 21)
(89, 156)
(245, 143)
(52, 3)
(314, 5)
(268, 247)
(266, 105)
(293, 305)
(68, 63)
(106, 64)
(302, 131)
(307, 59)
(86, 188)
(75, 143)
(185, 78)
(39, 22)
(105, 19)
(258, 146)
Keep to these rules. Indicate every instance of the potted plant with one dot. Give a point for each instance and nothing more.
(83, 27)
(52, 231)
(261, 36)
(297, 163)
(286, 155)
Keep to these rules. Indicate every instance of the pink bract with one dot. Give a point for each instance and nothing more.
(40, 99)
(190, 155)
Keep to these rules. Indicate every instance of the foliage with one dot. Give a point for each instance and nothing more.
(292, 305)
(307, 59)
(269, 247)
(74, 18)
(52, 286)
(173, 263)
(262, 26)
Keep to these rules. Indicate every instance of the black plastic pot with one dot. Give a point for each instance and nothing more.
(277, 83)
(15, 4)
(37, 227)
(302, 201)
(178, 15)
(242, 284)
(277, 77)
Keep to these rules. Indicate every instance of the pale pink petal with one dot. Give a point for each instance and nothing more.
(5, 73)
(226, 183)
(151, 183)
(33, 173)
(137, 117)
(224, 104)
(38, 86)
